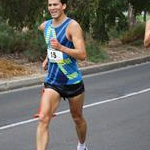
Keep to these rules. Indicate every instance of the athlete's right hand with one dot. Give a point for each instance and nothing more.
(45, 64)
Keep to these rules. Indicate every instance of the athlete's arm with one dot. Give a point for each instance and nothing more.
(147, 34)
(45, 62)
(74, 33)
(42, 26)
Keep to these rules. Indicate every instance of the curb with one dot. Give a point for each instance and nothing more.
(113, 65)
(19, 83)
(30, 81)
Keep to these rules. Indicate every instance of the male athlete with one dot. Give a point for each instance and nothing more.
(65, 44)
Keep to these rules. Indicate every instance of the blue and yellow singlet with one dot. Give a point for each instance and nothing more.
(62, 68)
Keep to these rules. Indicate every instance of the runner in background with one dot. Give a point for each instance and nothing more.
(147, 34)
(65, 44)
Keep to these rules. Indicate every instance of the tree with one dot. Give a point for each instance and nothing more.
(140, 6)
(22, 13)
(108, 13)
(80, 10)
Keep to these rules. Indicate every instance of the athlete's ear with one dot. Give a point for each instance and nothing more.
(64, 6)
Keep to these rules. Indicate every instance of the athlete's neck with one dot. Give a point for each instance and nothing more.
(59, 20)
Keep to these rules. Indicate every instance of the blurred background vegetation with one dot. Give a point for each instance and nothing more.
(101, 20)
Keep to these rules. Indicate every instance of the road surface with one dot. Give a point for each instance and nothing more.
(117, 109)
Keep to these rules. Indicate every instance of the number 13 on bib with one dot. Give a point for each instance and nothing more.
(54, 56)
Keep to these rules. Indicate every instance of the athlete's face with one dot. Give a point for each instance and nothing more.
(56, 8)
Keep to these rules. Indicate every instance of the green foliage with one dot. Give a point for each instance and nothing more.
(11, 41)
(135, 33)
(31, 43)
(95, 52)
(140, 6)
(35, 46)
(81, 11)
(113, 33)
(6, 37)
(106, 14)
(22, 13)
(102, 19)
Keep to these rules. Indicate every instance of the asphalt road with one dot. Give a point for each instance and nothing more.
(117, 109)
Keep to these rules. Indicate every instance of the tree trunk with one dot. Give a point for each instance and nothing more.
(144, 16)
(131, 17)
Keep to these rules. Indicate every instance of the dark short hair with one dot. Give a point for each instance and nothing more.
(64, 1)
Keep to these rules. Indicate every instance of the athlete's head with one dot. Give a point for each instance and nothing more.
(64, 1)
(56, 7)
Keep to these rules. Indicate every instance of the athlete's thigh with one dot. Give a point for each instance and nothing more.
(49, 102)
(76, 104)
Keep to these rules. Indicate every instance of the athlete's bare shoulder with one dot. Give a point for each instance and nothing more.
(74, 27)
(42, 26)
(74, 24)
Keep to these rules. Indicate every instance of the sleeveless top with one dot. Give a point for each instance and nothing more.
(62, 68)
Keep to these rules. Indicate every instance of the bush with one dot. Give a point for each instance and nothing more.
(31, 43)
(133, 34)
(35, 48)
(10, 40)
(95, 52)
(6, 37)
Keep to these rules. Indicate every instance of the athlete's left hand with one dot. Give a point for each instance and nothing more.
(55, 44)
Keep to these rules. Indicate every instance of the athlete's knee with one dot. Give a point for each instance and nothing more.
(44, 119)
(78, 119)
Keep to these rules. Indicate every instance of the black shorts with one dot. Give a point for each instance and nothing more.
(67, 91)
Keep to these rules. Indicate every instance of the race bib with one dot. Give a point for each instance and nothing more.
(55, 55)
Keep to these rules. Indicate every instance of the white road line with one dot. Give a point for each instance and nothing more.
(85, 106)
